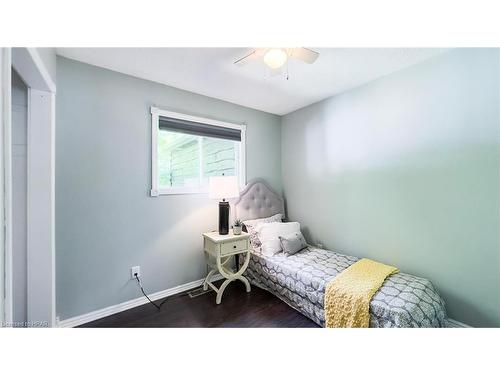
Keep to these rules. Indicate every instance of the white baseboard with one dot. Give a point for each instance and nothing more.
(456, 324)
(107, 311)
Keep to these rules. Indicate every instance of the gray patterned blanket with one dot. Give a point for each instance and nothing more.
(300, 280)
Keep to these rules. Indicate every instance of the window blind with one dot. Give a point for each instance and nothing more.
(198, 128)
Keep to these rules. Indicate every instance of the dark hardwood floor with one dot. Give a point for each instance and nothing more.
(238, 309)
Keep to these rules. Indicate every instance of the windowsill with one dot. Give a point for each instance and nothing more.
(179, 191)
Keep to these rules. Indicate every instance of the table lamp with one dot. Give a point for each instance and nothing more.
(223, 187)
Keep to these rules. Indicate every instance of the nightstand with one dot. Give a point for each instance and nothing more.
(219, 249)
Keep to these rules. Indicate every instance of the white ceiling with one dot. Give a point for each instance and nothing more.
(211, 72)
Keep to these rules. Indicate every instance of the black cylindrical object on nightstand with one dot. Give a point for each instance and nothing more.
(223, 217)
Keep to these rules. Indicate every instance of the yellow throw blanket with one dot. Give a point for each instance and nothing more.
(348, 296)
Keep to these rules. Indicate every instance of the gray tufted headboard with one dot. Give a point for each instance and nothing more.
(258, 200)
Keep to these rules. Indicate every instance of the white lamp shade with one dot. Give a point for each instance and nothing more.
(223, 187)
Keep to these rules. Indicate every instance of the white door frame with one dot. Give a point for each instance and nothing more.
(40, 189)
(5, 146)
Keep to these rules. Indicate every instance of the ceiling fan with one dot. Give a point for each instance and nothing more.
(276, 58)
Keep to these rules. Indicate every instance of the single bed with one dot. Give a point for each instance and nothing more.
(300, 279)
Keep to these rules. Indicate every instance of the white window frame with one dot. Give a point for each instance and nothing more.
(155, 128)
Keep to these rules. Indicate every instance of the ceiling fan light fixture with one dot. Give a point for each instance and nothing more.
(275, 58)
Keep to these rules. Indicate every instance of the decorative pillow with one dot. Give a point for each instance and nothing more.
(251, 224)
(269, 234)
(292, 243)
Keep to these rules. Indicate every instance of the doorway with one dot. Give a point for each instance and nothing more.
(27, 161)
(19, 120)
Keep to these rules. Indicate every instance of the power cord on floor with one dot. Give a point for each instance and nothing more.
(145, 295)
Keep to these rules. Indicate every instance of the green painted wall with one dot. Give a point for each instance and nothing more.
(406, 170)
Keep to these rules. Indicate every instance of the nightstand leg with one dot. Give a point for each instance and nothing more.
(207, 279)
(221, 291)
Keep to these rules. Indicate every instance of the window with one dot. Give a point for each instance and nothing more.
(187, 150)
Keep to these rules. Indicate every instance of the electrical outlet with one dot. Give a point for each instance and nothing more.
(135, 270)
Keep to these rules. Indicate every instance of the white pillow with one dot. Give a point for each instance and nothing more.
(270, 219)
(269, 235)
(251, 224)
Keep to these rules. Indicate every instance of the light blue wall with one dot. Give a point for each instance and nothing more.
(406, 170)
(105, 220)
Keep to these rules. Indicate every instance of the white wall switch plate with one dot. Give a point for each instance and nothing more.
(134, 270)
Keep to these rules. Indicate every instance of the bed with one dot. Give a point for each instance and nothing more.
(300, 279)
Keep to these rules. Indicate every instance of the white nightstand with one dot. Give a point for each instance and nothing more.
(219, 249)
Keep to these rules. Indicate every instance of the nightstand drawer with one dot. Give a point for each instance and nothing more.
(232, 247)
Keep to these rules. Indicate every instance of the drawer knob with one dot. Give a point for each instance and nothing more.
(234, 247)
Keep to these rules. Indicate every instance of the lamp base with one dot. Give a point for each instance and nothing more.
(223, 217)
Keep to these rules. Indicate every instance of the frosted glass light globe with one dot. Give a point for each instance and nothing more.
(275, 58)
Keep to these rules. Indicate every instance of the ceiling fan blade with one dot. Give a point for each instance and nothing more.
(305, 54)
(254, 55)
